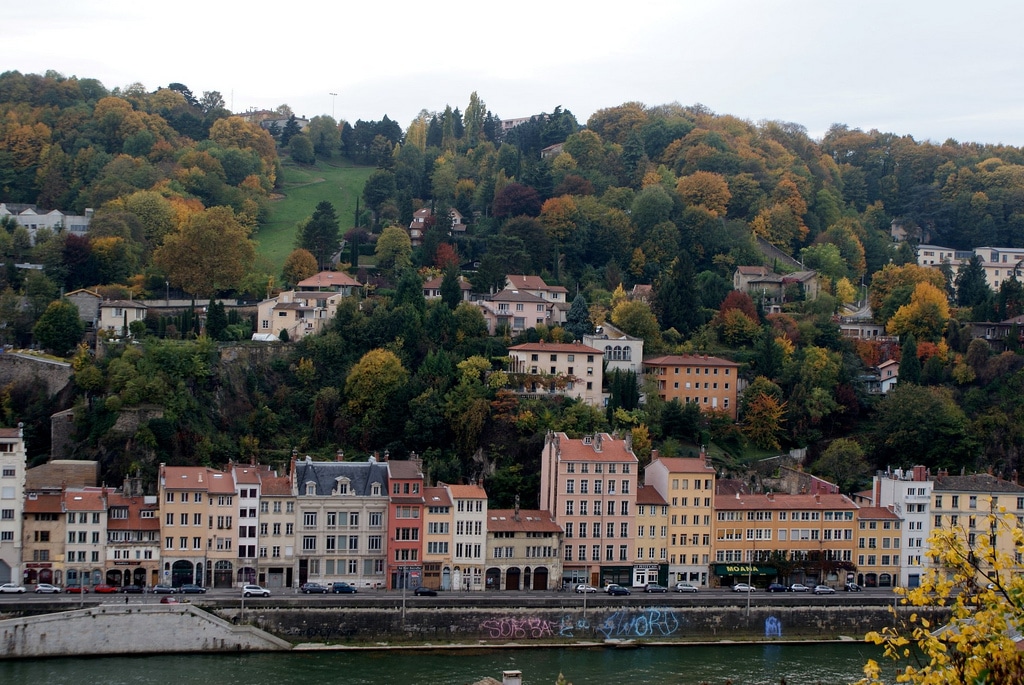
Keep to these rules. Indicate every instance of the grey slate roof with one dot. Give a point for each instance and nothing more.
(361, 474)
(977, 482)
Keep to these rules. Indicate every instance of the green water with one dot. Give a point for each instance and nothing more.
(830, 664)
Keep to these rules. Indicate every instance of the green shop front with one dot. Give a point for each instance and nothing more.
(758, 575)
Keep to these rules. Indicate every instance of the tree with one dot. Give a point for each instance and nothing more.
(971, 285)
(578, 322)
(290, 130)
(516, 199)
(371, 387)
(635, 318)
(394, 250)
(763, 421)
(910, 364)
(323, 133)
(922, 425)
(301, 149)
(209, 253)
(379, 188)
(451, 291)
(705, 189)
(843, 463)
(211, 100)
(677, 299)
(60, 328)
(319, 234)
(298, 266)
(925, 315)
(976, 645)
(216, 320)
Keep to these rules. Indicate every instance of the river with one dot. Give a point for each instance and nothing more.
(739, 664)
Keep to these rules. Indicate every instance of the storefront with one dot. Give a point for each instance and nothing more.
(649, 573)
(758, 575)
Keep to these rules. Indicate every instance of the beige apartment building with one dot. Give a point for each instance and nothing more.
(12, 503)
(710, 382)
(523, 550)
(276, 565)
(197, 526)
(651, 562)
(437, 539)
(86, 541)
(573, 370)
(589, 487)
(784, 538)
(43, 531)
(469, 539)
(688, 487)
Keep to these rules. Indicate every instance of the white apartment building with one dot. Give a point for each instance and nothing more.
(909, 494)
(12, 502)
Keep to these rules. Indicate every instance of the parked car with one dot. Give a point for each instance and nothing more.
(424, 592)
(104, 589)
(852, 587)
(76, 590)
(192, 589)
(169, 599)
(614, 589)
(583, 587)
(776, 587)
(342, 589)
(163, 590)
(685, 587)
(655, 587)
(46, 589)
(133, 589)
(12, 588)
(797, 587)
(314, 589)
(250, 590)
(743, 587)
(824, 590)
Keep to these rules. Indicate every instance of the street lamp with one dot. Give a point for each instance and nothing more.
(333, 96)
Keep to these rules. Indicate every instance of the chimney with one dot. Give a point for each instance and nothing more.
(511, 678)
(817, 497)
(771, 496)
(597, 443)
(515, 516)
(339, 455)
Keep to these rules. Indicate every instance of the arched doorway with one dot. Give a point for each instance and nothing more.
(493, 579)
(512, 578)
(30, 576)
(222, 573)
(540, 578)
(182, 572)
(139, 577)
(527, 577)
(446, 578)
(114, 577)
(246, 574)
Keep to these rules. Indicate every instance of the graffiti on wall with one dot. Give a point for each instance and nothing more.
(632, 624)
(772, 627)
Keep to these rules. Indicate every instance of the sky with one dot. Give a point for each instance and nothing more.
(932, 69)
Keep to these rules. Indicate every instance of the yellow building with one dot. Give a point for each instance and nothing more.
(784, 538)
(878, 547)
(688, 487)
(197, 526)
(708, 381)
(437, 548)
(651, 563)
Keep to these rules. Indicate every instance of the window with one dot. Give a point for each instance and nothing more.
(308, 543)
(309, 519)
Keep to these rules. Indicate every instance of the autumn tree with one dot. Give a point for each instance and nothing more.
(762, 421)
(705, 189)
(298, 266)
(899, 282)
(209, 253)
(635, 318)
(370, 387)
(925, 315)
(394, 250)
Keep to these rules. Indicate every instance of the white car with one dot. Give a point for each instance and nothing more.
(824, 590)
(583, 587)
(47, 589)
(799, 587)
(250, 590)
(743, 587)
(684, 587)
(12, 588)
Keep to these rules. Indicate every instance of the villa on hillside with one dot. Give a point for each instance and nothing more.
(300, 313)
(574, 370)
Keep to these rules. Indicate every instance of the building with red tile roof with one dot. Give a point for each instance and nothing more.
(571, 369)
(43, 534)
(523, 550)
(711, 382)
(687, 485)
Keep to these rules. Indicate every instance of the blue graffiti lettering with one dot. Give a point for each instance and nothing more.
(772, 627)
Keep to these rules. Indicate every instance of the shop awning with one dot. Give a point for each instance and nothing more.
(744, 569)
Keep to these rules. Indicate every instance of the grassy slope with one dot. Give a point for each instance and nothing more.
(336, 181)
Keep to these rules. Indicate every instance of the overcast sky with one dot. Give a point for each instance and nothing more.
(932, 69)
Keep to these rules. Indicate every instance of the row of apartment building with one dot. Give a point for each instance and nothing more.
(379, 523)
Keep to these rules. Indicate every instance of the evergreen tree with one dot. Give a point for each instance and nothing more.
(319, 234)
(768, 354)
(291, 128)
(676, 300)
(577, 321)
(971, 286)
(451, 292)
(910, 365)
(216, 320)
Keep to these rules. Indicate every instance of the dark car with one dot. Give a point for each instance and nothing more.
(163, 590)
(133, 589)
(342, 589)
(617, 590)
(192, 589)
(852, 587)
(313, 589)
(655, 587)
(777, 587)
(424, 592)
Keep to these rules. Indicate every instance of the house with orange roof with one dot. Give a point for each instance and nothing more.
(297, 312)
(878, 547)
(133, 537)
(515, 311)
(687, 486)
(330, 281)
(711, 382)
(651, 562)
(571, 369)
(12, 502)
(556, 295)
(197, 526)
(437, 541)
(469, 539)
(43, 532)
(589, 485)
(787, 538)
(523, 550)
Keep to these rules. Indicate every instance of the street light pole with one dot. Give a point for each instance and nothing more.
(333, 96)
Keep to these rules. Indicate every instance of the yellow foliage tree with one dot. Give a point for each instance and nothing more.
(558, 216)
(925, 316)
(705, 189)
(975, 574)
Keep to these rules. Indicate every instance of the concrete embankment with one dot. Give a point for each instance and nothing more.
(117, 630)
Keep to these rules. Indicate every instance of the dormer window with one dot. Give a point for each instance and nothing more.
(342, 485)
(375, 489)
(310, 489)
